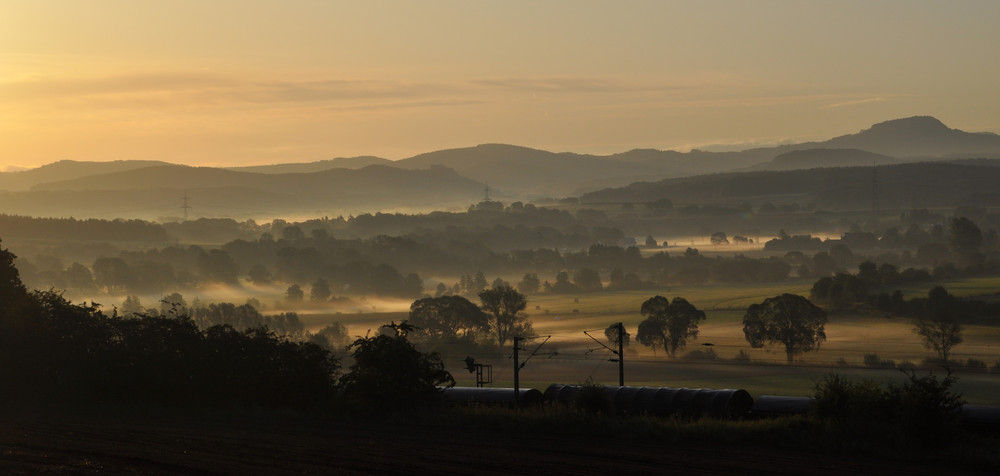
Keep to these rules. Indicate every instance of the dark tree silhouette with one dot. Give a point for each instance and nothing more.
(389, 373)
(964, 236)
(790, 320)
(529, 284)
(940, 328)
(294, 293)
(505, 309)
(448, 318)
(611, 333)
(320, 290)
(668, 323)
(588, 280)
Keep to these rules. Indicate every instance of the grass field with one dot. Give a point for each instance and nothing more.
(849, 338)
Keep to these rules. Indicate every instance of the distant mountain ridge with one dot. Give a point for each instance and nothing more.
(449, 178)
(817, 158)
(304, 167)
(907, 185)
(67, 170)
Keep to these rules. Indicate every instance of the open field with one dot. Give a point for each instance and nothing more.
(113, 441)
(849, 338)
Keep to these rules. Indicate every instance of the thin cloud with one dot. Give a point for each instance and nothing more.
(854, 102)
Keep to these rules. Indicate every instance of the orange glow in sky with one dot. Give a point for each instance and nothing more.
(255, 82)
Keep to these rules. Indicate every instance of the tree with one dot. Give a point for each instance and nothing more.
(562, 284)
(218, 266)
(132, 306)
(964, 236)
(790, 320)
(651, 242)
(506, 318)
(529, 284)
(719, 238)
(389, 373)
(320, 290)
(447, 317)
(112, 274)
(13, 294)
(611, 333)
(79, 277)
(173, 304)
(259, 275)
(293, 233)
(294, 293)
(940, 328)
(331, 337)
(588, 280)
(668, 323)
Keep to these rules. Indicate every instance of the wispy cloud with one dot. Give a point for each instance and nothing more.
(853, 102)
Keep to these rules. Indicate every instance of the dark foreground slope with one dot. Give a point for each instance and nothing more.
(116, 442)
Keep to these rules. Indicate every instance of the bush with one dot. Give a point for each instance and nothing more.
(707, 354)
(841, 399)
(924, 409)
(593, 400)
(390, 374)
(975, 364)
(873, 361)
(742, 356)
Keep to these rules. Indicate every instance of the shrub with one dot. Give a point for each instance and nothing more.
(742, 356)
(927, 407)
(841, 399)
(924, 408)
(707, 354)
(873, 361)
(975, 364)
(593, 400)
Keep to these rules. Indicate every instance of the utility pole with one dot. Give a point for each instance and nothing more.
(517, 370)
(518, 364)
(621, 354)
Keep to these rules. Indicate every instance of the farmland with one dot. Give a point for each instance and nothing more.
(850, 336)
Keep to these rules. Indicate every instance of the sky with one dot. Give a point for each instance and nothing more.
(248, 82)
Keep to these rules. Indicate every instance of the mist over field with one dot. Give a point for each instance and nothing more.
(722, 241)
(497, 237)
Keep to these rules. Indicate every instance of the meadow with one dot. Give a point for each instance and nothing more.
(570, 356)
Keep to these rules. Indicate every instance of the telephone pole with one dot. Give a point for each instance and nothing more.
(621, 354)
(517, 370)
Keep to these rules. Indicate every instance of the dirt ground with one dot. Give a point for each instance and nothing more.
(67, 442)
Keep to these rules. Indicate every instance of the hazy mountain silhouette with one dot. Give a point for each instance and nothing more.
(919, 136)
(66, 170)
(523, 172)
(512, 172)
(909, 185)
(530, 173)
(303, 167)
(238, 194)
(815, 158)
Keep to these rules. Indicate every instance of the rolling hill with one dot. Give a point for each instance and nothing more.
(455, 177)
(910, 185)
(156, 191)
(67, 170)
(304, 167)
